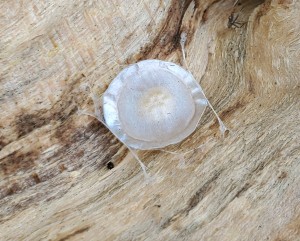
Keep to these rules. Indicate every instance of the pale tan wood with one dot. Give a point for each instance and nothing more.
(54, 183)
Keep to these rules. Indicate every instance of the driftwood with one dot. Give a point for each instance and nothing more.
(56, 181)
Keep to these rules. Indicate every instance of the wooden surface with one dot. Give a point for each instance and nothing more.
(54, 182)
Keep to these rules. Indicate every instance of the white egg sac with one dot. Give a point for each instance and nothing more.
(153, 104)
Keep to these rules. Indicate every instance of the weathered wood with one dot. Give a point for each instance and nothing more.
(54, 182)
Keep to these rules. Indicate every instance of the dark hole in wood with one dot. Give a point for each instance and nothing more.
(110, 165)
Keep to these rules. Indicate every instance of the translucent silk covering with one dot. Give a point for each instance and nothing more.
(153, 104)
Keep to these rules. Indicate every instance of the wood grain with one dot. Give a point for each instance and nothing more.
(54, 180)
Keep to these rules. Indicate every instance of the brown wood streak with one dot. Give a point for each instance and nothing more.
(167, 39)
(71, 235)
(208, 186)
(194, 200)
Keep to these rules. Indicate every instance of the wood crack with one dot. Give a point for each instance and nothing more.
(167, 39)
(71, 235)
(194, 200)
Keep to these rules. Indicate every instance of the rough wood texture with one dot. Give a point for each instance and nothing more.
(54, 183)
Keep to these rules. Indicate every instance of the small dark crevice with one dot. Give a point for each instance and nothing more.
(36, 178)
(201, 193)
(243, 189)
(79, 231)
(110, 165)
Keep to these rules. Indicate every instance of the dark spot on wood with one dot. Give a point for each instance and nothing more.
(18, 161)
(226, 133)
(171, 220)
(60, 111)
(62, 167)
(3, 143)
(229, 111)
(251, 85)
(107, 138)
(12, 189)
(259, 167)
(201, 193)
(72, 137)
(110, 165)
(67, 134)
(79, 154)
(96, 126)
(21, 184)
(36, 177)
(282, 175)
(26, 123)
(53, 42)
(71, 235)
(63, 112)
(226, 114)
(204, 16)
